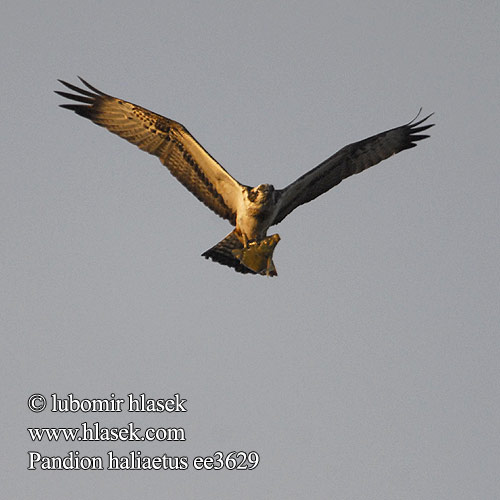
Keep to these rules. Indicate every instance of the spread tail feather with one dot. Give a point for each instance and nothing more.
(222, 253)
(255, 258)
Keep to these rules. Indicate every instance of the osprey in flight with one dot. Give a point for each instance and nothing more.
(252, 210)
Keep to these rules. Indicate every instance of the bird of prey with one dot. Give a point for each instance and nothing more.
(252, 210)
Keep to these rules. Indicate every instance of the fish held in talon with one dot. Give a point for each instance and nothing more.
(258, 255)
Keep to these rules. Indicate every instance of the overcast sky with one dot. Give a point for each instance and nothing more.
(369, 368)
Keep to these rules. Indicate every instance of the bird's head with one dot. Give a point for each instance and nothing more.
(261, 193)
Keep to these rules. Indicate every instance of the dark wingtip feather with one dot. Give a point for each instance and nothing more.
(97, 91)
(80, 95)
(77, 89)
(79, 109)
(413, 123)
(421, 129)
(419, 137)
(414, 129)
(75, 97)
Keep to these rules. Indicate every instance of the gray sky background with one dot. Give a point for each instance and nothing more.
(369, 369)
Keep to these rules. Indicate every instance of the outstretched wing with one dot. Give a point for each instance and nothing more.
(350, 160)
(170, 141)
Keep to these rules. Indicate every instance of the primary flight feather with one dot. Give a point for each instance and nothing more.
(251, 210)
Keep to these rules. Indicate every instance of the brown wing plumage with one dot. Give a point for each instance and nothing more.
(350, 160)
(168, 140)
